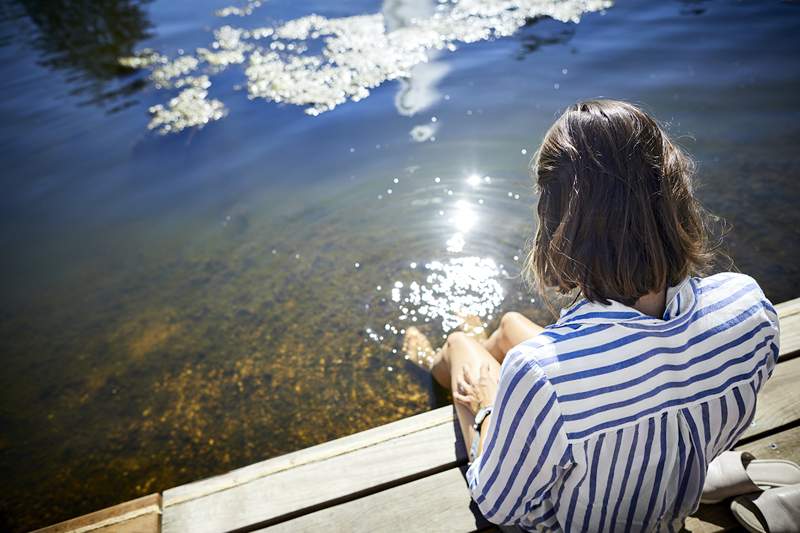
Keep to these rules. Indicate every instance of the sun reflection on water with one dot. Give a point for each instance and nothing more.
(452, 290)
(464, 218)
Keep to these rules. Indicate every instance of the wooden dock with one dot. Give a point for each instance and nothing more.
(406, 476)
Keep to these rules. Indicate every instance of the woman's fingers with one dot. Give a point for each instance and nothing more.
(464, 387)
(466, 400)
(466, 383)
(466, 372)
(472, 387)
(462, 380)
(487, 375)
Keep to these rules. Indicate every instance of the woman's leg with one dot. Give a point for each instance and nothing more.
(514, 328)
(462, 352)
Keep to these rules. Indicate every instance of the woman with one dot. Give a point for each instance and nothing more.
(608, 419)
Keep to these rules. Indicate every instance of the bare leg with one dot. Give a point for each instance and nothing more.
(471, 351)
(514, 328)
(458, 352)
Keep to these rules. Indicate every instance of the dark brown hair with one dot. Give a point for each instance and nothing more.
(617, 215)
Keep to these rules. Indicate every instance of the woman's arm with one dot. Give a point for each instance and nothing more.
(477, 394)
(524, 447)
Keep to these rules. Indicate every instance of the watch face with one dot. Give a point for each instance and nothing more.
(480, 417)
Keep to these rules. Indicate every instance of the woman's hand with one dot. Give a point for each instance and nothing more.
(476, 393)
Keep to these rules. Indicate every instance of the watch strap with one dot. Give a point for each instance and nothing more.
(479, 419)
(480, 416)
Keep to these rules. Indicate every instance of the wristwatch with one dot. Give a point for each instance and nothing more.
(479, 418)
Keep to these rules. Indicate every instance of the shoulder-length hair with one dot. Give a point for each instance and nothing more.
(617, 215)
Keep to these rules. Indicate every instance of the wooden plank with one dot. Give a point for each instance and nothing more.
(779, 400)
(142, 515)
(784, 445)
(711, 519)
(320, 452)
(317, 476)
(789, 316)
(440, 502)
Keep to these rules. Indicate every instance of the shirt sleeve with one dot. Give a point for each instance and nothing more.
(526, 449)
(772, 333)
(774, 337)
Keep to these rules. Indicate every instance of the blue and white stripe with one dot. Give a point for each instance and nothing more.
(607, 420)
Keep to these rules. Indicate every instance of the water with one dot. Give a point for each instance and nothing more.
(175, 306)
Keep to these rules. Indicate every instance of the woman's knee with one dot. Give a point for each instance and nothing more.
(458, 339)
(463, 349)
(511, 320)
(515, 328)
(510, 324)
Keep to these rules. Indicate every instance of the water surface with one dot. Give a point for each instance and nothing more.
(175, 306)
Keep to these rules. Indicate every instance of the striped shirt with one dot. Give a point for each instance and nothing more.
(607, 420)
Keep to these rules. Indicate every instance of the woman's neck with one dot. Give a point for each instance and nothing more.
(652, 303)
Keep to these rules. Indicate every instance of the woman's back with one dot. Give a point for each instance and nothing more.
(607, 420)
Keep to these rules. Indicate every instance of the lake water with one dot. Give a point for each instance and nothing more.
(176, 305)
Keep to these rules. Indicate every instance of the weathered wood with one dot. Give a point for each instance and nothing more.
(142, 515)
(711, 519)
(440, 502)
(783, 445)
(779, 400)
(317, 476)
(789, 316)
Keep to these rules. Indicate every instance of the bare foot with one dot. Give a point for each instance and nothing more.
(418, 348)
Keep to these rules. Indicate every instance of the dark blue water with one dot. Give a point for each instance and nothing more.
(176, 306)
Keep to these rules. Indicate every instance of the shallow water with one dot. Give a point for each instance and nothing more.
(175, 306)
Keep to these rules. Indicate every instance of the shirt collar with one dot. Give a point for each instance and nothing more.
(680, 299)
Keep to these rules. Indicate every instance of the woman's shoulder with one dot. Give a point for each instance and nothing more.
(541, 354)
(735, 291)
(730, 285)
(727, 278)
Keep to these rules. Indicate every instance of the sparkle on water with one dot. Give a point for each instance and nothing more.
(451, 291)
(358, 54)
(456, 243)
(239, 11)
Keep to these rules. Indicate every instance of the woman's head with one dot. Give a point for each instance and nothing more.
(617, 217)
